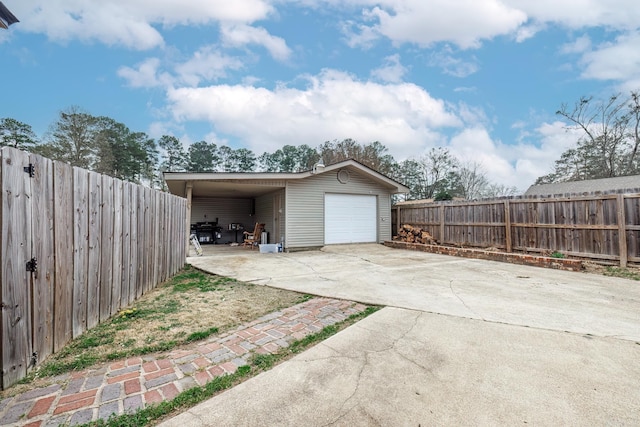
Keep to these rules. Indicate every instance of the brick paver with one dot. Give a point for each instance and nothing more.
(129, 385)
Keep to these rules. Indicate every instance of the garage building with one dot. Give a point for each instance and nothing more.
(346, 202)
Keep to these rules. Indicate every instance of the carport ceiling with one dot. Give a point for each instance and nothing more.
(221, 189)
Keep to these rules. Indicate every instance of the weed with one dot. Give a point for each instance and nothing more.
(263, 361)
(622, 272)
(200, 335)
(305, 298)
(55, 367)
(556, 254)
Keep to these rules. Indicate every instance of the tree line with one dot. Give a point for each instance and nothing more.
(107, 146)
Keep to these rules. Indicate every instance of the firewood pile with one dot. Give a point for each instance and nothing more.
(411, 234)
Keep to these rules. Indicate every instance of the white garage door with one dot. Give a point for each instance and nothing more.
(350, 218)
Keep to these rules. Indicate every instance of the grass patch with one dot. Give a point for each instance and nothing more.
(625, 273)
(200, 335)
(257, 363)
(191, 306)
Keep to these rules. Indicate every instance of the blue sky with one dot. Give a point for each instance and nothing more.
(481, 77)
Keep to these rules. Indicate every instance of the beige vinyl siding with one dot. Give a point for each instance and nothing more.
(264, 213)
(305, 206)
(207, 209)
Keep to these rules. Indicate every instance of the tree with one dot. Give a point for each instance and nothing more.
(72, 138)
(289, 159)
(16, 134)
(174, 157)
(131, 156)
(203, 157)
(243, 160)
(610, 142)
(374, 155)
(472, 181)
(438, 172)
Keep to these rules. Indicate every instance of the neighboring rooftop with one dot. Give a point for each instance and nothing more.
(618, 184)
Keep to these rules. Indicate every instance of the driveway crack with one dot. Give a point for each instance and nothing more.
(462, 301)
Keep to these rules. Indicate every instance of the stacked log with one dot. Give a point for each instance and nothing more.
(411, 234)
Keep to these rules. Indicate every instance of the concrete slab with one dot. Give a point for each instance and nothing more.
(463, 342)
(497, 292)
(408, 368)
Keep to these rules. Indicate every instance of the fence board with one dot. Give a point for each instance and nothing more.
(64, 261)
(106, 247)
(156, 237)
(116, 257)
(126, 245)
(147, 242)
(15, 247)
(81, 249)
(139, 270)
(133, 254)
(94, 249)
(42, 298)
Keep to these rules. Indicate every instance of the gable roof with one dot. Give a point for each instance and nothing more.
(621, 183)
(257, 183)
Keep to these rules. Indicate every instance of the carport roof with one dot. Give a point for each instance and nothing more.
(253, 184)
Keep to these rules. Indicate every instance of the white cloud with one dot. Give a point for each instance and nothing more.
(206, 64)
(392, 71)
(333, 105)
(425, 22)
(145, 75)
(515, 165)
(580, 45)
(575, 14)
(239, 35)
(451, 65)
(130, 23)
(617, 61)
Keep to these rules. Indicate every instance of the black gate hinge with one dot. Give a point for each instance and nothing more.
(31, 170)
(32, 265)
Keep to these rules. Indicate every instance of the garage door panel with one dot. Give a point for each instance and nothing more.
(350, 218)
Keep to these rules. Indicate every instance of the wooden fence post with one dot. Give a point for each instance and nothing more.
(441, 210)
(507, 226)
(622, 231)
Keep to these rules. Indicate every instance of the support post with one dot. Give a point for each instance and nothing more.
(441, 223)
(507, 226)
(189, 188)
(622, 231)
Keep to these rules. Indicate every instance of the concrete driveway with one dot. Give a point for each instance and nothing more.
(463, 342)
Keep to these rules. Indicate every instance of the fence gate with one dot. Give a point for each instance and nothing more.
(26, 261)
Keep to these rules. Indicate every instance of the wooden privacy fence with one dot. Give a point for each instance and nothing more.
(601, 227)
(76, 246)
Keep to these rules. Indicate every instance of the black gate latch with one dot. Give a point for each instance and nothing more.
(32, 265)
(31, 169)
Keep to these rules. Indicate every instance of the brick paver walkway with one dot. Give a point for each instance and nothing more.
(129, 385)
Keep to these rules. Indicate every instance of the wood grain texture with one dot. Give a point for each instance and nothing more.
(64, 260)
(43, 244)
(16, 251)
